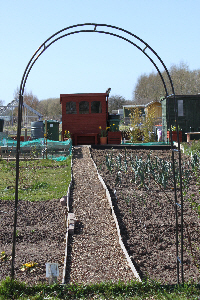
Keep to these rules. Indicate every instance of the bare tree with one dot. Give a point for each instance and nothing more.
(116, 102)
(150, 87)
(29, 98)
(185, 82)
(50, 108)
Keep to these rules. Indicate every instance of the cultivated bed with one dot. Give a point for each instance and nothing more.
(146, 211)
(40, 238)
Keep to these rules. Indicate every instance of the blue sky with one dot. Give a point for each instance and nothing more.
(92, 62)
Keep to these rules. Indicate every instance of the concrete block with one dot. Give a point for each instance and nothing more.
(71, 223)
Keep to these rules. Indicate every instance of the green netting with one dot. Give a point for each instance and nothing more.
(6, 141)
(42, 141)
(38, 147)
(59, 158)
(148, 144)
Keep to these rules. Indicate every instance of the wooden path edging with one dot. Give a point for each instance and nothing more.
(66, 212)
(117, 225)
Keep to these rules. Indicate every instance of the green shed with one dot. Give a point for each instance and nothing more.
(188, 115)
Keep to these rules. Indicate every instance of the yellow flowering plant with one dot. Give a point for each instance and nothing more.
(67, 134)
(30, 266)
(103, 132)
(173, 128)
(4, 256)
(114, 128)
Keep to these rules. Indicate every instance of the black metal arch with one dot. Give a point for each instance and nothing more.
(95, 29)
(59, 35)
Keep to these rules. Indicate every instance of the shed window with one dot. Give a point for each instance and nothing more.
(84, 107)
(96, 107)
(71, 107)
(180, 108)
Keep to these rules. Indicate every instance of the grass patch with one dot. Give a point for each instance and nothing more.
(43, 179)
(135, 290)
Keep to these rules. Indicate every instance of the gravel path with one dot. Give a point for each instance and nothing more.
(94, 253)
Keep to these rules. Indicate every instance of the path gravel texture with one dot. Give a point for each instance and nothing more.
(94, 252)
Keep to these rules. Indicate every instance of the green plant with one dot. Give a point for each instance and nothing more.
(173, 128)
(113, 128)
(148, 126)
(136, 122)
(134, 290)
(11, 289)
(103, 132)
(142, 126)
(4, 256)
(29, 267)
(161, 172)
(67, 134)
(34, 151)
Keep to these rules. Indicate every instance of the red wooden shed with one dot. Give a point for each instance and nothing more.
(83, 114)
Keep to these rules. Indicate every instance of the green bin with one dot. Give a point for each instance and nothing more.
(1, 125)
(52, 130)
(114, 124)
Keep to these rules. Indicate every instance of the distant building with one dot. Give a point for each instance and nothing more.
(188, 115)
(127, 109)
(119, 112)
(115, 111)
(153, 106)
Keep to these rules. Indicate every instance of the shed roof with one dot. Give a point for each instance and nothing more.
(140, 105)
(197, 96)
(134, 105)
(83, 95)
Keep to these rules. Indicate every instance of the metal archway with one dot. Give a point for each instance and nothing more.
(143, 47)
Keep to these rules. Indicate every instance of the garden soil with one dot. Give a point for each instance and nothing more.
(146, 215)
(146, 218)
(40, 238)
